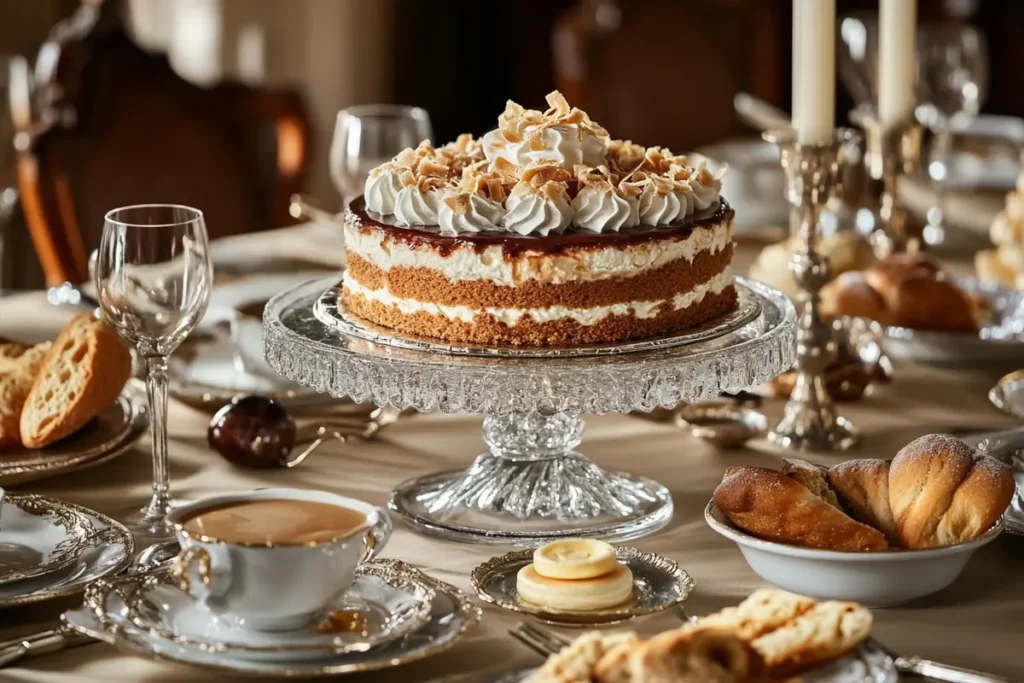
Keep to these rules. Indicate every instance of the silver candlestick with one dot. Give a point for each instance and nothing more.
(891, 153)
(810, 422)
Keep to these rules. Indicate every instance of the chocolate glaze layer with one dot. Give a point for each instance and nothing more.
(513, 244)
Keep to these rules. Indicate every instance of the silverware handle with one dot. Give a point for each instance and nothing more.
(43, 642)
(759, 114)
(951, 674)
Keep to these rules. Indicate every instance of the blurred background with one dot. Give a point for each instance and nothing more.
(230, 105)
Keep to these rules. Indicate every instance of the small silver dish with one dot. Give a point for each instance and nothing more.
(1008, 394)
(658, 584)
(723, 423)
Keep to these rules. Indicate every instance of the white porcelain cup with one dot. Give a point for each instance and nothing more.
(274, 586)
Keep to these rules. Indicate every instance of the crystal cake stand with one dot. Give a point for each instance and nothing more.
(532, 485)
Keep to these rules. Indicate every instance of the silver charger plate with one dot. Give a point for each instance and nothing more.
(452, 615)
(382, 605)
(109, 550)
(998, 342)
(866, 664)
(658, 584)
(330, 311)
(1008, 394)
(110, 434)
(1007, 446)
(38, 536)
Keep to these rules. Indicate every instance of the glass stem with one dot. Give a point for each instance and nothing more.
(156, 390)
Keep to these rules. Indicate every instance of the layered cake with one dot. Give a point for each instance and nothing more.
(544, 233)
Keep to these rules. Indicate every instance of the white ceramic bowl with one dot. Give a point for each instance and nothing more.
(874, 579)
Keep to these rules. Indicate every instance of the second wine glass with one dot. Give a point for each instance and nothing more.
(153, 281)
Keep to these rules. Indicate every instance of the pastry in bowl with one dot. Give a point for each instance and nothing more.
(875, 531)
(905, 290)
(844, 251)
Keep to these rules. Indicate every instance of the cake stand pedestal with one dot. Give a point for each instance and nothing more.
(532, 485)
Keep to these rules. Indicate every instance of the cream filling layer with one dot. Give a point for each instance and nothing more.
(578, 265)
(511, 316)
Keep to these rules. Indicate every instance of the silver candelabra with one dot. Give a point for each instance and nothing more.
(810, 422)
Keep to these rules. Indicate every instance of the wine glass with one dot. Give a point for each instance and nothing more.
(153, 281)
(366, 136)
(952, 62)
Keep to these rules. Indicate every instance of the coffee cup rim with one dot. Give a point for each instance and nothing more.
(370, 512)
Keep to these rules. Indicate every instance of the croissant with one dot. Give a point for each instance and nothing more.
(941, 492)
(863, 488)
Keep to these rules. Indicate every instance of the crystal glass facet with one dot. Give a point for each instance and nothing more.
(532, 484)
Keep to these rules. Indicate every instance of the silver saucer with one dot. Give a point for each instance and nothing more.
(452, 615)
(865, 664)
(109, 435)
(658, 584)
(38, 536)
(109, 550)
(383, 604)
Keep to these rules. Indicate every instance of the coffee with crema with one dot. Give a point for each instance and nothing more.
(274, 520)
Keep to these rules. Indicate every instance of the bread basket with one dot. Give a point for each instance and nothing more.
(874, 579)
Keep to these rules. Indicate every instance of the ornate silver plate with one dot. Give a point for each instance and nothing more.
(658, 584)
(330, 311)
(382, 605)
(1000, 341)
(112, 433)
(452, 614)
(108, 551)
(867, 664)
(39, 535)
(1008, 446)
(1008, 394)
(533, 485)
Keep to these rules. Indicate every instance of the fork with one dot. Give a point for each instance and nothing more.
(546, 643)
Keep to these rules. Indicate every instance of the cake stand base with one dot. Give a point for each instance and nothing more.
(532, 487)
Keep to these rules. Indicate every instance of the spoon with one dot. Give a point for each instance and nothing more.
(258, 432)
(760, 114)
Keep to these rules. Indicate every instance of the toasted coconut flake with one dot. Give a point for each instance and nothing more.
(458, 203)
(559, 106)
(625, 155)
(496, 190)
(506, 169)
(599, 178)
(535, 141)
(539, 174)
(430, 167)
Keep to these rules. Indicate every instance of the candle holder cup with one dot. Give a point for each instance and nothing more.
(810, 422)
(891, 153)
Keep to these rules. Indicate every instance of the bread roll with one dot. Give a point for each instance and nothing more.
(990, 266)
(83, 374)
(811, 476)
(696, 655)
(19, 366)
(826, 632)
(762, 612)
(576, 661)
(942, 493)
(778, 508)
(863, 490)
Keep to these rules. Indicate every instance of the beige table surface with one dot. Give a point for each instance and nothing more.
(979, 622)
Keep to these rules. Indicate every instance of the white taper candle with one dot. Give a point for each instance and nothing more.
(814, 70)
(896, 56)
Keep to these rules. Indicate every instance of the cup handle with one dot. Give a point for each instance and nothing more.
(377, 536)
(199, 576)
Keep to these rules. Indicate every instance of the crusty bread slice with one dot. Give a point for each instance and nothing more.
(695, 654)
(18, 373)
(826, 632)
(83, 374)
(762, 612)
(811, 476)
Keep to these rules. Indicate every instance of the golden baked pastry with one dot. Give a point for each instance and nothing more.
(942, 492)
(811, 476)
(906, 290)
(778, 508)
(863, 489)
(575, 662)
(696, 654)
(19, 366)
(827, 631)
(83, 374)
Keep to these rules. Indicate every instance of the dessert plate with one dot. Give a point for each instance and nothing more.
(866, 663)
(1000, 341)
(108, 550)
(39, 535)
(110, 434)
(658, 584)
(451, 615)
(330, 311)
(382, 605)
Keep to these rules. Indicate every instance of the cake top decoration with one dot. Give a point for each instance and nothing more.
(539, 173)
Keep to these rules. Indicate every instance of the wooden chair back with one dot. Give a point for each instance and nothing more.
(115, 125)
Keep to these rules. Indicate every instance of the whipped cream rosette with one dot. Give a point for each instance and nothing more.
(539, 203)
(602, 204)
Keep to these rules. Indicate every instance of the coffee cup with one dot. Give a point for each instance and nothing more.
(272, 559)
